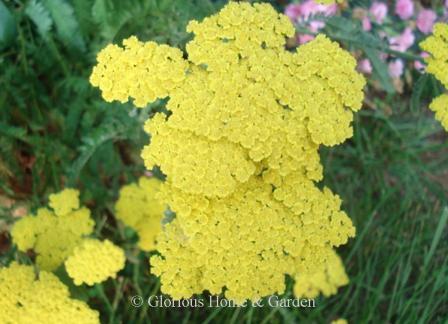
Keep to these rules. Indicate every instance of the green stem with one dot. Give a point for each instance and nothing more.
(99, 289)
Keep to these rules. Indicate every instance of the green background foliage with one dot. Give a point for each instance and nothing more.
(56, 131)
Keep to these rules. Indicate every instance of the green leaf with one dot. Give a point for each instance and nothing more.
(8, 30)
(66, 23)
(13, 132)
(418, 91)
(162, 21)
(111, 129)
(40, 17)
(380, 69)
(83, 12)
(437, 236)
(346, 30)
(111, 15)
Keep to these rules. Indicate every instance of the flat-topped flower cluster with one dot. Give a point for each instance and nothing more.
(60, 235)
(139, 208)
(26, 297)
(240, 152)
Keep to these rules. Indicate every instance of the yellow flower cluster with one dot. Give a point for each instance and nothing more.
(240, 151)
(54, 233)
(94, 261)
(248, 241)
(139, 209)
(59, 235)
(119, 77)
(26, 298)
(437, 46)
(325, 280)
(440, 106)
(339, 321)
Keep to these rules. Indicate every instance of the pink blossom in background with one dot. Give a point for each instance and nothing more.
(328, 10)
(366, 24)
(404, 8)
(305, 38)
(425, 20)
(396, 68)
(364, 66)
(378, 10)
(403, 42)
(316, 25)
(419, 65)
(310, 8)
(307, 9)
(293, 11)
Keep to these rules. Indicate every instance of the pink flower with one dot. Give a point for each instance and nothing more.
(403, 42)
(378, 10)
(328, 10)
(425, 20)
(404, 8)
(310, 8)
(316, 25)
(366, 24)
(364, 66)
(293, 11)
(419, 65)
(396, 68)
(305, 38)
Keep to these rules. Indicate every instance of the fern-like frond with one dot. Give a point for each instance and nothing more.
(40, 16)
(66, 23)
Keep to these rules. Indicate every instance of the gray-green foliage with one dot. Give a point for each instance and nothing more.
(7, 26)
(40, 16)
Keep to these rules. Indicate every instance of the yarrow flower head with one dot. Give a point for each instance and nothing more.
(139, 209)
(339, 321)
(41, 299)
(240, 151)
(94, 261)
(437, 46)
(53, 233)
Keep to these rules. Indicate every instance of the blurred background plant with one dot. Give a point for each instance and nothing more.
(383, 36)
(56, 131)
